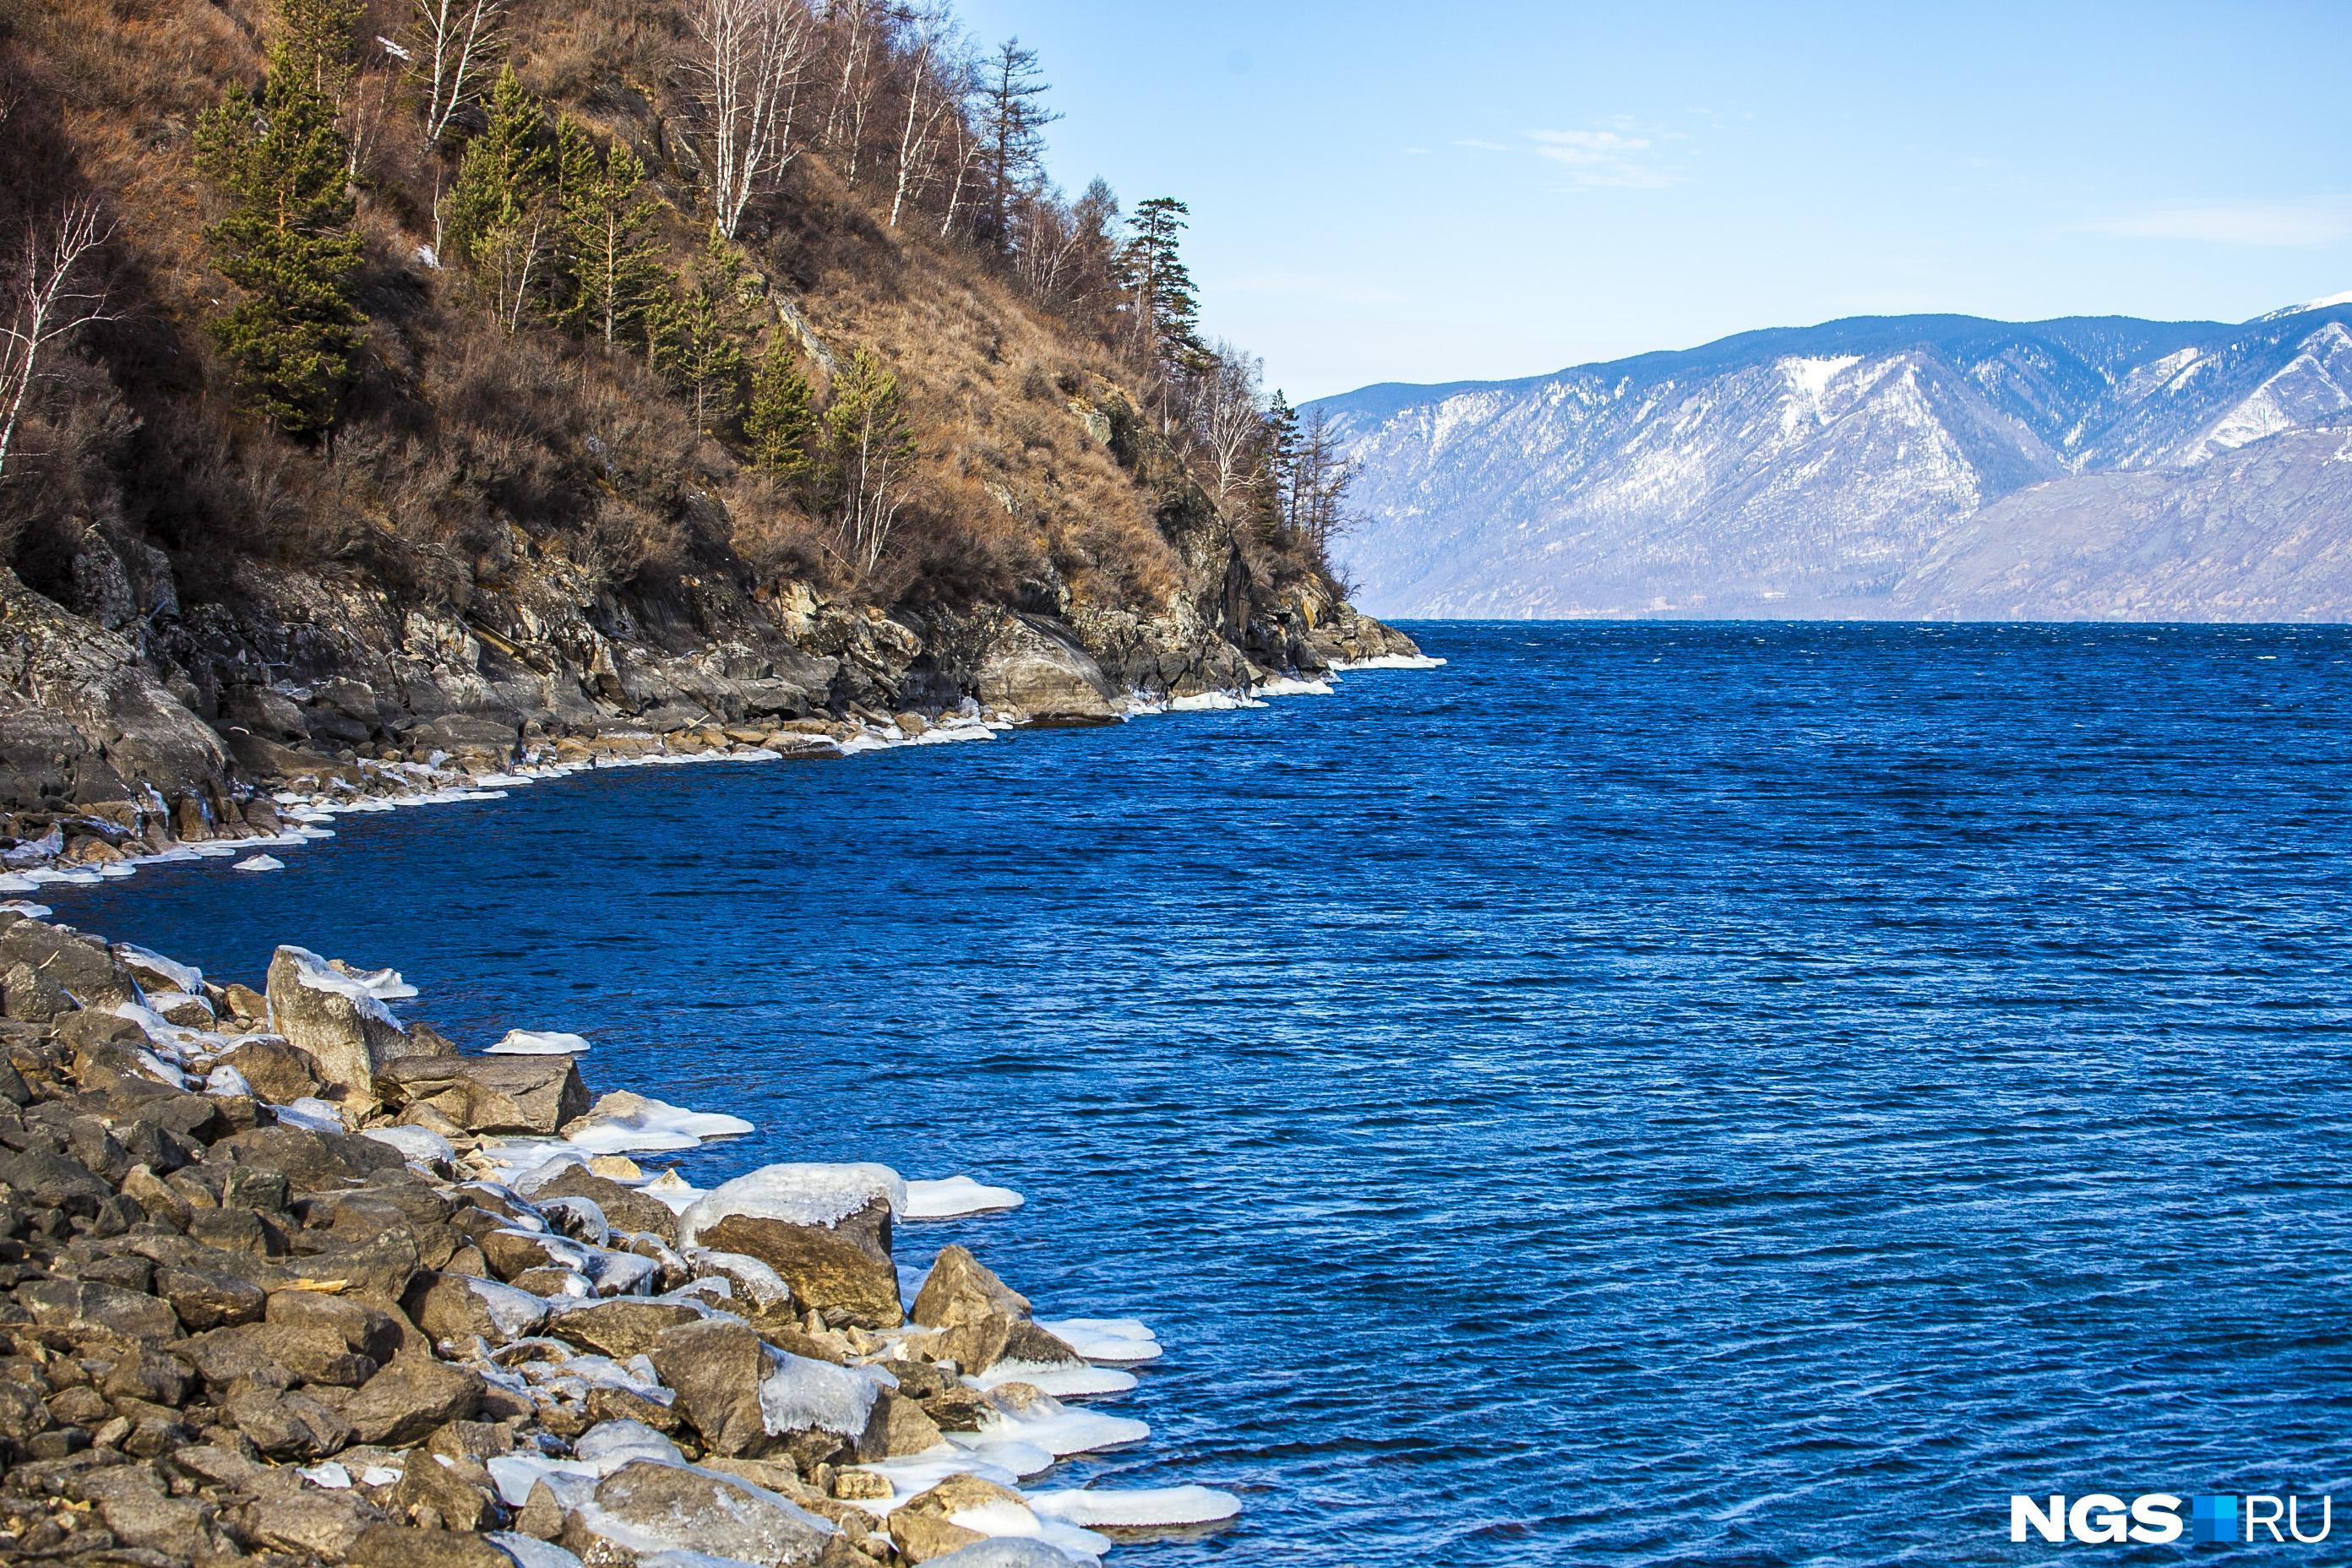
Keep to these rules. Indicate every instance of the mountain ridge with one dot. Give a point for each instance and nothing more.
(1813, 469)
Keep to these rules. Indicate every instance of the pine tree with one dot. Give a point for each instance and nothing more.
(1152, 267)
(869, 451)
(286, 241)
(613, 270)
(500, 212)
(321, 42)
(780, 424)
(701, 340)
(1278, 481)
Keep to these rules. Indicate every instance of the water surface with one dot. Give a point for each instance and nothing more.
(1647, 1093)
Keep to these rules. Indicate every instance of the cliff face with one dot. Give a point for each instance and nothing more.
(517, 534)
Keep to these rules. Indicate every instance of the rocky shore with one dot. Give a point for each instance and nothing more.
(284, 1277)
(135, 724)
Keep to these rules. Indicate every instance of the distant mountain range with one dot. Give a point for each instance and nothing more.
(1927, 467)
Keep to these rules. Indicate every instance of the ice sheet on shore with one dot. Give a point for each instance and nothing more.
(260, 863)
(625, 1123)
(1291, 686)
(952, 1197)
(418, 1145)
(1121, 1342)
(1061, 1379)
(537, 1043)
(1391, 662)
(1050, 1424)
(1144, 1507)
(1003, 1521)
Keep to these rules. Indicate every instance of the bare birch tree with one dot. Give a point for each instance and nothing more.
(750, 55)
(859, 32)
(456, 43)
(936, 82)
(1228, 420)
(49, 302)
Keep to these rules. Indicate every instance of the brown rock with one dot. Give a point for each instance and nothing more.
(324, 1523)
(842, 1271)
(897, 1426)
(278, 1072)
(625, 1208)
(489, 1094)
(79, 1304)
(620, 1328)
(348, 1034)
(452, 1309)
(287, 1427)
(204, 1299)
(696, 1511)
(366, 1327)
(401, 1546)
(446, 1492)
(960, 1290)
(309, 1352)
(411, 1397)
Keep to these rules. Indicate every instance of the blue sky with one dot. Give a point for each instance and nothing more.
(1410, 192)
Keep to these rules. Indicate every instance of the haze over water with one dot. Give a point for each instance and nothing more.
(1656, 1093)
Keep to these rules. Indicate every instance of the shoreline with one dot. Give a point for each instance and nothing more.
(602, 1363)
(388, 786)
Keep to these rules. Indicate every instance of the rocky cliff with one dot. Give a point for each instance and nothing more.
(1875, 467)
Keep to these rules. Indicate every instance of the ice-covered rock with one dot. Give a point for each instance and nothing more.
(336, 1021)
(1151, 1508)
(825, 1229)
(624, 1122)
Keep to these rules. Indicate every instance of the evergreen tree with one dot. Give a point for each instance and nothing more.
(780, 424)
(1012, 128)
(613, 270)
(869, 452)
(501, 215)
(1152, 267)
(1280, 460)
(321, 42)
(286, 241)
(701, 340)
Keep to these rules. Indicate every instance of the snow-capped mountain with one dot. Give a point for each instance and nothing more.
(1852, 468)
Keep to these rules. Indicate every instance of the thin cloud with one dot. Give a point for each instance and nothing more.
(2309, 222)
(1613, 159)
(1475, 145)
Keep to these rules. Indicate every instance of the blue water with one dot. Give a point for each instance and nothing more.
(1648, 1093)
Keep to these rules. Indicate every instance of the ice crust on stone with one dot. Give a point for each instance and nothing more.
(514, 1311)
(537, 1043)
(1290, 686)
(529, 1553)
(384, 985)
(795, 1194)
(1001, 1520)
(184, 976)
(316, 974)
(260, 863)
(799, 1394)
(952, 1197)
(1145, 1508)
(419, 1145)
(1121, 1342)
(317, 1115)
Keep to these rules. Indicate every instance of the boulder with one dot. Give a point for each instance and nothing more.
(276, 1071)
(651, 1507)
(206, 1299)
(745, 1397)
(824, 1229)
(287, 1427)
(402, 1546)
(411, 1397)
(623, 1327)
(1009, 1551)
(448, 1492)
(331, 1018)
(274, 1353)
(923, 1526)
(320, 1524)
(489, 1094)
(80, 965)
(365, 1329)
(960, 1290)
(84, 1304)
(453, 1309)
(625, 1208)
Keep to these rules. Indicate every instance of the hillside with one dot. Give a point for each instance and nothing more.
(867, 420)
(1931, 464)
